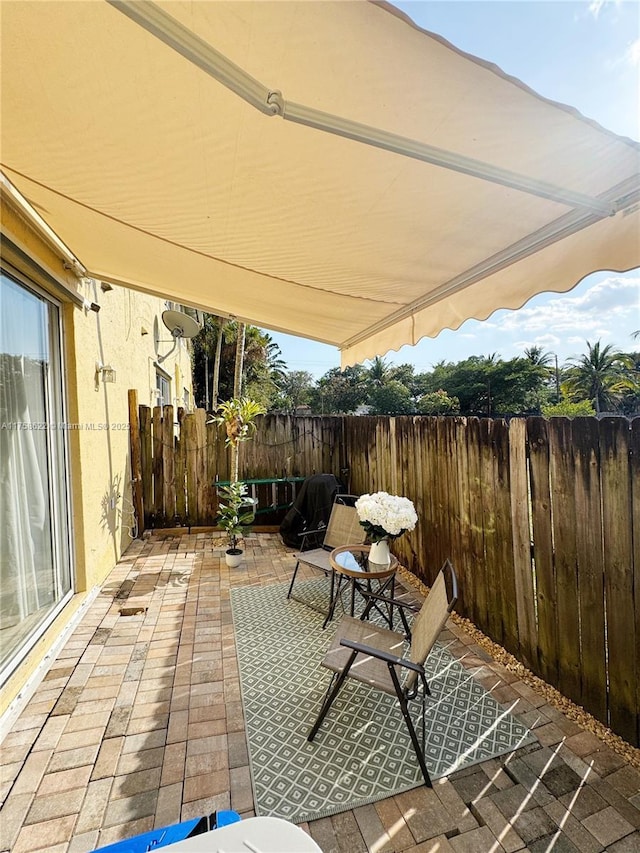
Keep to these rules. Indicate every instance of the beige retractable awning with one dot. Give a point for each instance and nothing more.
(325, 169)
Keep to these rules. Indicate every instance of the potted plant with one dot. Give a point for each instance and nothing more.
(237, 509)
(236, 513)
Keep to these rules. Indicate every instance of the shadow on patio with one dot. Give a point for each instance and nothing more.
(139, 723)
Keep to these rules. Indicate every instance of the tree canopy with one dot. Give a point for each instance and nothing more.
(602, 379)
(602, 375)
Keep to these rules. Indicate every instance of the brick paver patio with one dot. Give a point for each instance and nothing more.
(138, 723)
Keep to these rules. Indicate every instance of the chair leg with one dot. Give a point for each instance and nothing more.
(335, 595)
(328, 701)
(412, 732)
(295, 572)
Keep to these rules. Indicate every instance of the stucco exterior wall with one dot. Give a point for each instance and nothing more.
(126, 334)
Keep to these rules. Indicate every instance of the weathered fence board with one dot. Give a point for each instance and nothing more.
(564, 538)
(590, 566)
(202, 486)
(180, 470)
(135, 454)
(521, 544)
(414, 464)
(635, 526)
(190, 454)
(476, 555)
(543, 548)
(461, 475)
(490, 527)
(504, 535)
(440, 498)
(214, 448)
(168, 466)
(541, 519)
(158, 477)
(618, 573)
(146, 462)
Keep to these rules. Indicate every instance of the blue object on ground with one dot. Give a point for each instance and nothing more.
(224, 818)
(150, 841)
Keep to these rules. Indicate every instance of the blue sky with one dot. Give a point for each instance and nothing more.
(585, 53)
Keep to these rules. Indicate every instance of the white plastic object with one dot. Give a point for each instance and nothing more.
(253, 835)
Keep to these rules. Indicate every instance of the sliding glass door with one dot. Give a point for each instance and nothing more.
(35, 571)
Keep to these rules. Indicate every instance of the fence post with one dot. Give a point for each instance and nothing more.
(136, 466)
(146, 460)
(158, 469)
(180, 470)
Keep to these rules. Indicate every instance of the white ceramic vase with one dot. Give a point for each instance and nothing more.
(233, 557)
(379, 553)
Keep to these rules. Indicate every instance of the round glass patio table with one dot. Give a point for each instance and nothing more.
(350, 564)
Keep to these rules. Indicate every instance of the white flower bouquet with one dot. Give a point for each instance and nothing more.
(385, 516)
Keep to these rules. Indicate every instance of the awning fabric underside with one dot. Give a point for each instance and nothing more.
(161, 178)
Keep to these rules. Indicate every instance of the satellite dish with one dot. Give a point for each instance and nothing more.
(180, 325)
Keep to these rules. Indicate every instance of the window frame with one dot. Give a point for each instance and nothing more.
(58, 457)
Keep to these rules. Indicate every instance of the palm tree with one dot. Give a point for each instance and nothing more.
(377, 373)
(237, 374)
(276, 365)
(224, 330)
(548, 362)
(207, 349)
(536, 355)
(601, 375)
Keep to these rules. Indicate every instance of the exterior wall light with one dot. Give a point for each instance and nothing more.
(104, 372)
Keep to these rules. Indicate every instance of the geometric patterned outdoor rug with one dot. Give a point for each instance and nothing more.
(362, 753)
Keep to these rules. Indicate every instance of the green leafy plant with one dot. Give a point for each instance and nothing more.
(565, 409)
(236, 512)
(236, 509)
(238, 416)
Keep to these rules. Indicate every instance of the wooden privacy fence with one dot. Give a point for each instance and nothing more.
(541, 519)
(176, 463)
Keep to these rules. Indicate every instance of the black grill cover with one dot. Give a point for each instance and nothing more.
(311, 508)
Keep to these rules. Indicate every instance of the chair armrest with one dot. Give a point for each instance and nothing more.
(381, 655)
(310, 539)
(312, 532)
(397, 602)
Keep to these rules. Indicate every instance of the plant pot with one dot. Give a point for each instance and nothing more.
(233, 557)
(379, 553)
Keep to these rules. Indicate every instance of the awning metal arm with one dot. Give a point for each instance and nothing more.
(565, 226)
(271, 102)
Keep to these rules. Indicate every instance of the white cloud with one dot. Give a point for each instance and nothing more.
(547, 341)
(632, 54)
(630, 58)
(606, 304)
(543, 341)
(596, 6)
